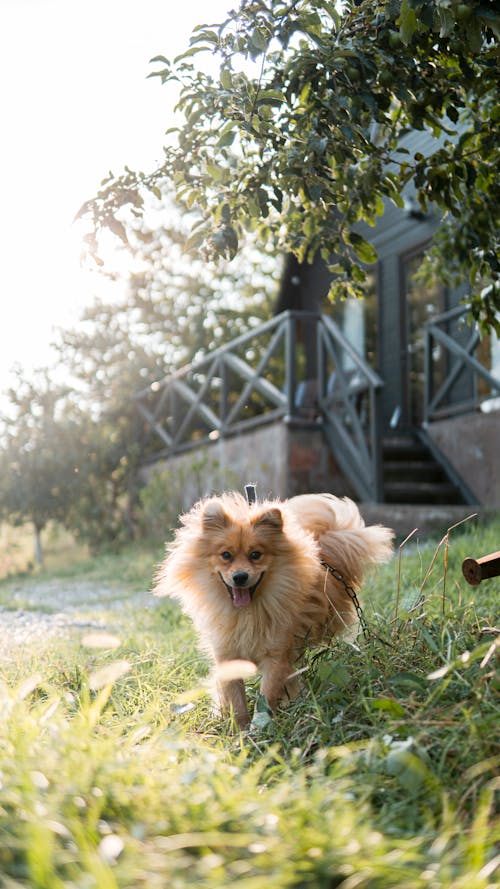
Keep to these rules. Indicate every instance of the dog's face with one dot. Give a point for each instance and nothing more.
(240, 553)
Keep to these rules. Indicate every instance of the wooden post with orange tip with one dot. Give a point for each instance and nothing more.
(476, 570)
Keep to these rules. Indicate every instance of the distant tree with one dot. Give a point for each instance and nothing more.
(169, 309)
(70, 451)
(60, 462)
(102, 513)
(39, 456)
(298, 136)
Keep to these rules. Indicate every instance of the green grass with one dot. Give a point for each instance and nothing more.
(382, 774)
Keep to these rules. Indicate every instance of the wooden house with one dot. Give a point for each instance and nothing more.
(394, 399)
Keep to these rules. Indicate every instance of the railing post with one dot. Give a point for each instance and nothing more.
(223, 404)
(356, 439)
(290, 364)
(475, 379)
(376, 446)
(321, 362)
(428, 371)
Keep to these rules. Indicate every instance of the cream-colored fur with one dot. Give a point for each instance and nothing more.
(224, 548)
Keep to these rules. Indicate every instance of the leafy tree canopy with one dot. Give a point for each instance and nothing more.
(295, 135)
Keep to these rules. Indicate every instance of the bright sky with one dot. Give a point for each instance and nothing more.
(74, 103)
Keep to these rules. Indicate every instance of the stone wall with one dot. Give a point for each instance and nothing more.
(471, 443)
(282, 459)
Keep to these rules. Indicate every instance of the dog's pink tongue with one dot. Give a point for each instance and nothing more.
(241, 596)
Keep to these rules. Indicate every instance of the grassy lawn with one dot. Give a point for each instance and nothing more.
(115, 772)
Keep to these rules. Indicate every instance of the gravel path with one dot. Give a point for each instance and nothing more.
(41, 610)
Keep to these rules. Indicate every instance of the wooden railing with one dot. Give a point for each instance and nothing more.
(349, 402)
(269, 374)
(456, 378)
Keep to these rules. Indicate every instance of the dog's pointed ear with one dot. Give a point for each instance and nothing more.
(213, 516)
(271, 519)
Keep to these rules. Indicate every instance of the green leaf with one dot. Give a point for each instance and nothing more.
(261, 705)
(411, 772)
(363, 249)
(195, 240)
(407, 22)
(156, 191)
(379, 205)
(333, 674)
(226, 78)
(214, 171)
(445, 20)
(226, 140)
(398, 199)
(192, 51)
(201, 33)
(159, 59)
(163, 75)
(270, 97)
(388, 704)
(474, 36)
(408, 681)
(259, 40)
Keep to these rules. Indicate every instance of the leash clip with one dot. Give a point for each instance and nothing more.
(251, 494)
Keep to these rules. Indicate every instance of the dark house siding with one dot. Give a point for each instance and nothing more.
(399, 235)
(402, 308)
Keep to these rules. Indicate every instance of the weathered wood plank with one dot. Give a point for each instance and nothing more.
(247, 389)
(193, 398)
(258, 384)
(154, 425)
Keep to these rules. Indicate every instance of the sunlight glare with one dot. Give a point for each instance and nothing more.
(78, 104)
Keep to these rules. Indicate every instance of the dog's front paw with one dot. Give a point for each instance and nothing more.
(262, 714)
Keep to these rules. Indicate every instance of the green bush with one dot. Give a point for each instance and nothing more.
(171, 491)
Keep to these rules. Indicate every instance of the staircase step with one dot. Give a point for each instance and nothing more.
(412, 474)
(403, 449)
(421, 492)
(423, 470)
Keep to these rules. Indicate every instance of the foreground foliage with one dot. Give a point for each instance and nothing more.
(115, 772)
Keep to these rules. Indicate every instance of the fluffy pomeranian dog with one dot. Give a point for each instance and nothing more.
(253, 579)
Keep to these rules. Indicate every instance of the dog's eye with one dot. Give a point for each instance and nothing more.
(226, 556)
(255, 555)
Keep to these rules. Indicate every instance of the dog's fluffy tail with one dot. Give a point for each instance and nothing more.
(324, 512)
(352, 551)
(345, 541)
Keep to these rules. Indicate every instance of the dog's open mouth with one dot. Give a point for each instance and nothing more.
(241, 595)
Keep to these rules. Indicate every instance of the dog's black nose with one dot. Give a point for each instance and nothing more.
(240, 578)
